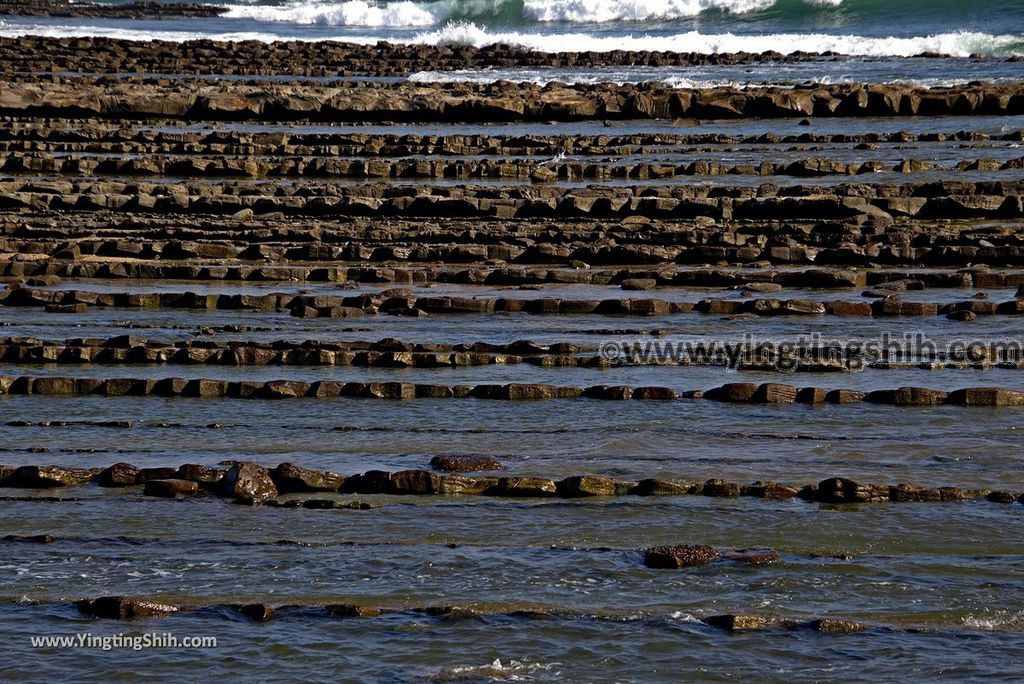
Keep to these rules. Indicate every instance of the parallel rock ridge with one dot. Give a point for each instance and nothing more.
(253, 484)
(355, 306)
(319, 58)
(128, 608)
(145, 9)
(734, 393)
(506, 102)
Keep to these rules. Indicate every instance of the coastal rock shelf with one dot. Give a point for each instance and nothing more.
(395, 354)
(575, 371)
(407, 304)
(135, 608)
(304, 58)
(113, 98)
(145, 9)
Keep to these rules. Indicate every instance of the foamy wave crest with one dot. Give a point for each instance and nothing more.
(606, 11)
(959, 44)
(404, 13)
(351, 13)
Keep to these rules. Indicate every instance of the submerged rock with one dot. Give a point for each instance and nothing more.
(679, 556)
(351, 610)
(830, 625)
(467, 463)
(171, 488)
(123, 608)
(738, 623)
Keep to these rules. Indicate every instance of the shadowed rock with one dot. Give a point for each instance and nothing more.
(679, 556)
(289, 477)
(739, 623)
(45, 477)
(118, 475)
(586, 485)
(123, 608)
(171, 488)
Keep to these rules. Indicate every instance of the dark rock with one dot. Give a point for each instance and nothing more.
(738, 623)
(259, 612)
(757, 555)
(349, 610)
(171, 489)
(248, 483)
(289, 477)
(721, 488)
(525, 487)
(586, 485)
(465, 463)
(206, 476)
(679, 556)
(833, 626)
(123, 608)
(418, 482)
(839, 490)
(146, 474)
(44, 477)
(768, 490)
(1001, 497)
(654, 487)
(30, 539)
(118, 475)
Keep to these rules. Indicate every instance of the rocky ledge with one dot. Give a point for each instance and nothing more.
(372, 102)
(95, 10)
(250, 483)
(319, 59)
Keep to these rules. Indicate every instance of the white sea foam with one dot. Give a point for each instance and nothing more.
(403, 14)
(606, 11)
(957, 44)
(352, 13)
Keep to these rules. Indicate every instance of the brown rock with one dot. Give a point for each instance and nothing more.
(986, 396)
(843, 490)
(738, 623)
(123, 608)
(756, 555)
(465, 463)
(44, 477)
(525, 487)
(248, 483)
(171, 489)
(418, 482)
(206, 476)
(721, 488)
(349, 610)
(654, 487)
(734, 392)
(118, 475)
(679, 556)
(768, 490)
(289, 477)
(586, 485)
(833, 626)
